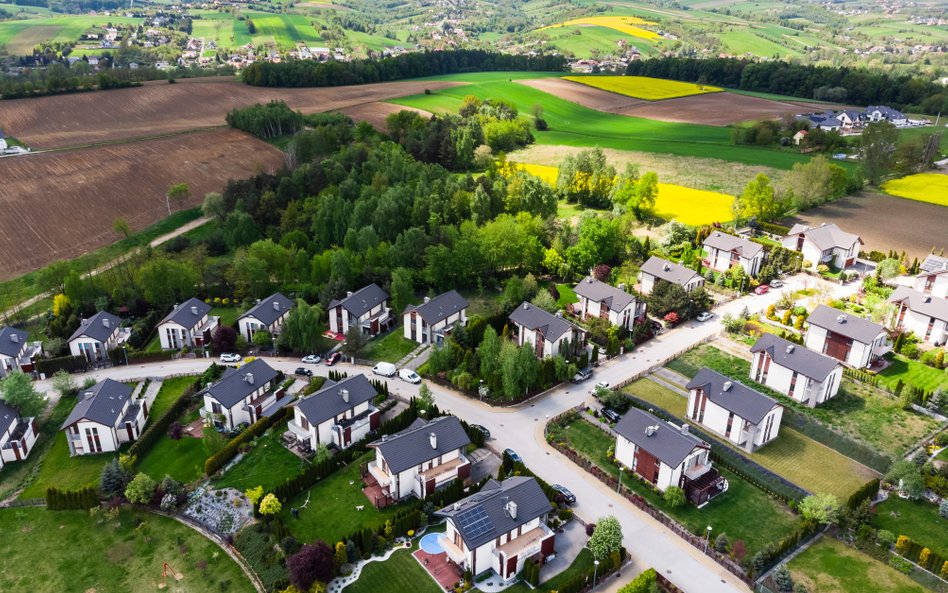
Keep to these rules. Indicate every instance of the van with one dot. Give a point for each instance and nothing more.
(409, 376)
(386, 369)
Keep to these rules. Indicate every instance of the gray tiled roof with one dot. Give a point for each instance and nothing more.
(12, 341)
(808, 363)
(441, 307)
(362, 301)
(933, 264)
(412, 446)
(328, 402)
(826, 236)
(534, 318)
(188, 314)
(919, 302)
(600, 292)
(743, 247)
(668, 271)
(268, 310)
(482, 517)
(668, 443)
(235, 385)
(8, 417)
(845, 324)
(99, 327)
(745, 402)
(102, 403)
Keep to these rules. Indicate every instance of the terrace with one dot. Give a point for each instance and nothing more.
(526, 545)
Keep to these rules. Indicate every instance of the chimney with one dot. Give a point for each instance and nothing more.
(105, 321)
(89, 395)
(926, 299)
(249, 378)
(666, 267)
(841, 319)
(457, 506)
(276, 306)
(14, 338)
(345, 395)
(348, 293)
(789, 348)
(427, 300)
(559, 314)
(194, 310)
(727, 385)
(684, 429)
(589, 280)
(512, 509)
(433, 439)
(526, 306)
(621, 287)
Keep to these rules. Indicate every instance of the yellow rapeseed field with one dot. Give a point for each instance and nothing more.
(544, 172)
(923, 187)
(622, 24)
(643, 87)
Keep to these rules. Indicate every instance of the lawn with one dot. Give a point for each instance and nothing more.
(228, 315)
(13, 475)
(924, 187)
(71, 551)
(644, 87)
(661, 396)
(401, 573)
(912, 373)
(582, 565)
(393, 347)
(567, 295)
(182, 459)
(917, 519)
(268, 464)
(829, 566)
(171, 390)
(59, 470)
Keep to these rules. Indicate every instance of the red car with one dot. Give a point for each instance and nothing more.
(333, 358)
(762, 289)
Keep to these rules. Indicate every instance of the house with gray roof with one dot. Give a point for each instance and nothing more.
(742, 415)
(547, 333)
(666, 455)
(877, 113)
(656, 268)
(726, 251)
(799, 373)
(424, 457)
(598, 299)
(367, 308)
(852, 340)
(499, 528)
(932, 277)
(268, 314)
(338, 415)
(923, 314)
(188, 325)
(243, 395)
(16, 351)
(432, 320)
(96, 336)
(17, 435)
(105, 417)
(826, 244)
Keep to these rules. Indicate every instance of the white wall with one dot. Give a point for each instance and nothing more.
(715, 418)
(918, 323)
(646, 283)
(806, 390)
(107, 437)
(424, 333)
(323, 434)
(92, 349)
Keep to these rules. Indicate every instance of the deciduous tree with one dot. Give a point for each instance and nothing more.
(18, 392)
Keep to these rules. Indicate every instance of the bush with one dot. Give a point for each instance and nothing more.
(141, 489)
(63, 500)
(644, 583)
(782, 579)
(674, 497)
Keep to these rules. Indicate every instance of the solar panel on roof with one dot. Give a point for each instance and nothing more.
(475, 522)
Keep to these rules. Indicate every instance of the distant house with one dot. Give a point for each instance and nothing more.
(96, 336)
(16, 351)
(826, 244)
(923, 314)
(725, 251)
(877, 113)
(188, 325)
(499, 528)
(598, 299)
(420, 459)
(799, 137)
(105, 417)
(17, 435)
(3, 141)
(339, 414)
(269, 315)
(549, 334)
(854, 341)
(797, 372)
(656, 268)
(932, 277)
(367, 308)
(431, 321)
(243, 395)
(666, 455)
(742, 415)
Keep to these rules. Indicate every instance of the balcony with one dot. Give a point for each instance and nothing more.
(445, 472)
(356, 422)
(526, 545)
(696, 471)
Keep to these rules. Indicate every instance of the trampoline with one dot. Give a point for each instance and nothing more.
(431, 543)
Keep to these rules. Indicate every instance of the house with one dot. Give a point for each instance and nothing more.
(243, 395)
(797, 372)
(923, 314)
(854, 341)
(105, 417)
(746, 417)
(339, 414)
(877, 113)
(799, 137)
(549, 334)
(268, 314)
(17, 435)
(598, 299)
(667, 455)
(431, 321)
(825, 244)
(499, 528)
(188, 325)
(3, 141)
(421, 459)
(656, 268)
(367, 308)
(725, 251)
(831, 124)
(16, 351)
(932, 277)
(96, 336)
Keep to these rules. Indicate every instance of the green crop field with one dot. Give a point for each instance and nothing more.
(581, 41)
(20, 36)
(281, 30)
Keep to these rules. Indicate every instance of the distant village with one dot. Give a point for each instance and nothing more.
(852, 121)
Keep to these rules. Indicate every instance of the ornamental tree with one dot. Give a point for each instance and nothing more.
(254, 494)
(18, 392)
(606, 538)
(140, 489)
(270, 505)
(821, 508)
(314, 562)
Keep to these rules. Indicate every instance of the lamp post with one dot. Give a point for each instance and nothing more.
(707, 539)
(125, 352)
(595, 572)
(619, 485)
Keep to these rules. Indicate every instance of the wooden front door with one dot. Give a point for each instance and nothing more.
(646, 465)
(128, 427)
(511, 566)
(429, 487)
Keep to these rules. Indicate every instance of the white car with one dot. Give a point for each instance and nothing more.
(228, 358)
(386, 369)
(704, 316)
(776, 283)
(311, 359)
(409, 376)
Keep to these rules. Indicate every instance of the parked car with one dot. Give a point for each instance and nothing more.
(611, 414)
(704, 316)
(762, 289)
(409, 376)
(311, 359)
(386, 369)
(564, 494)
(304, 372)
(513, 455)
(231, 358)
(333, 358)
(482, 429)
(776, 283)
(582, 375)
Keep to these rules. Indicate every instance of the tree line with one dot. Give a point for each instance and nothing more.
(268, 121)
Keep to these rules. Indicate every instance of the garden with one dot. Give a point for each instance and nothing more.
(267, 463)
(392, 347)
(829, 566)
(401, 573)
(918, 519)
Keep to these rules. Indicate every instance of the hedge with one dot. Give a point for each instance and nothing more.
(70, 364)
(158, 428)
(912, 550)
(775, 229)
(642, 583)
(220, 459)
(866, 492)
(71, 500)
(117, 356)
(774, 553)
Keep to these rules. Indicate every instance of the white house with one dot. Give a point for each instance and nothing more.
(105, 417)
(746, 417)
(797, 372)
(431, 321)
(923, 314)
(656, 268)
(367, 308)
(549, 334)
(499, 528)
(667, 455)
(339, 414)
(269, 314)
(17, 435)
(877, 113)
(825, 244)
(243, 395)
(420, 459)
(3, 142)
(725, 251)
(16, 352)
(598, 299)
(932, 277)
(188, 325)
(852, 340)
(96, 336)
(799, 137)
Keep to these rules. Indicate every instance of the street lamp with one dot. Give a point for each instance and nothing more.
(595, 572)
(619, 485)
(125, 352)
(707, 539)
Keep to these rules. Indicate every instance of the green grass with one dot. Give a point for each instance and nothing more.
(59, 470)
(20, 36)
(591, 39)
(182, 459)
(917, 519)
(393, 347)
(401, 573)
(268, 464)
(228, 315)
(171, 389)
(581, 565)
(15, 475)
(662, 397)
(71, 551)
(913, 373)
(567, 295)
(829, 566)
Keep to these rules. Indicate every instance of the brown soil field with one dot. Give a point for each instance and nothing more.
(885, 222)
(375, 113)
(586, 96)
(91, 118)
(60, 204)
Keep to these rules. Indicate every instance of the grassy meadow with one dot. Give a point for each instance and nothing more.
(20, 36)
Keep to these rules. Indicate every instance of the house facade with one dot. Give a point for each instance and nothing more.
(598, 299)
(826, 244)
(801, 374)
(854, 341)
(188, 325)
(243, 395)
(726, 251)
(656, 268)
(923, 314)
(269, 315)
(421, 459)
(105, 417)
(367, 308)
(666, 455)
(742, 415)
(547, 333)
(499, 528)
(339, 414)
(17, 435)
(431, 321)
(16, 352)
(932, 277)
(96, 336)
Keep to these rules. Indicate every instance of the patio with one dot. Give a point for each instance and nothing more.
(441, 568)
(374, 491)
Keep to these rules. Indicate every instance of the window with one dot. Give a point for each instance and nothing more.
(216, 408)
(92, 438)
(730, 422)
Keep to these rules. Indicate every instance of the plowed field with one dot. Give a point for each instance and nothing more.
(375, 113)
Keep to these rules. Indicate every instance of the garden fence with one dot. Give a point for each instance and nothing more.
(26, 502)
